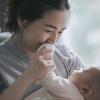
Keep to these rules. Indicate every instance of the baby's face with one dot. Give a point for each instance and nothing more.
(83, 75)
(87, 81)
(80, 78)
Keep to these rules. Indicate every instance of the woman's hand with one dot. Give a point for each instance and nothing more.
(41, 63)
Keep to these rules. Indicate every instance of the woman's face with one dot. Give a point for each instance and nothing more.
(48, 29)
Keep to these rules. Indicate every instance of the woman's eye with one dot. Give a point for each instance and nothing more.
(60, 33)
(49, 31)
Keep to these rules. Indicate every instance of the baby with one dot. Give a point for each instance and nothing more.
(81, 85)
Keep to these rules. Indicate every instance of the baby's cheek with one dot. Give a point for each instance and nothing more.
(77, 78)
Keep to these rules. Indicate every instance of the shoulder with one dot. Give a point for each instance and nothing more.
(5, 55)
(4, 37)
(70, 58)
(2, 48)
(66, 52)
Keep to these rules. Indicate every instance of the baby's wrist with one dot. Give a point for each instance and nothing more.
(49, 76)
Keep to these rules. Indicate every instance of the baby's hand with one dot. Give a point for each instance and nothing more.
(46, 52)
(52, 50)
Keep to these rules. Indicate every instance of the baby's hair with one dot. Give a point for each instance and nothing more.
(94, 79)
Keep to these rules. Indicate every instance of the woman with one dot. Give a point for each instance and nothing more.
(34, 23)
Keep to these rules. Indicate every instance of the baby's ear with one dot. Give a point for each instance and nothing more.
(86, 91)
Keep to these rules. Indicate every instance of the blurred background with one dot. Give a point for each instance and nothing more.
(83, 33)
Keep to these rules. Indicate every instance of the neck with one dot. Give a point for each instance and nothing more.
(17, 40)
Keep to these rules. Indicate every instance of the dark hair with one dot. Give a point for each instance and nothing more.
(31, 10)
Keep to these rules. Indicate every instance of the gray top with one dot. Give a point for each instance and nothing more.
(13, 62)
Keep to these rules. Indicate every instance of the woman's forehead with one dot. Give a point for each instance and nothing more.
(56, 17)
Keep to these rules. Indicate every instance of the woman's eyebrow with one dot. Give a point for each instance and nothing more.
(51, 26)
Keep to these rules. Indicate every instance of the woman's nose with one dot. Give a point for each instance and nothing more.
(53, 38)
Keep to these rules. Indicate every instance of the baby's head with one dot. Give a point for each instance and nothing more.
(87, 82)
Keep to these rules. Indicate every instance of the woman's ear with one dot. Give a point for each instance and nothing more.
(21, 23)
(86, 91)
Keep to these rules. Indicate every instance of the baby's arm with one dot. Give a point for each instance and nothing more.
(57, 85)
